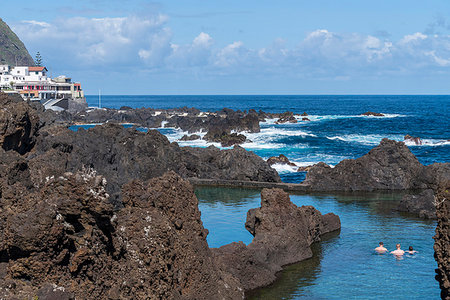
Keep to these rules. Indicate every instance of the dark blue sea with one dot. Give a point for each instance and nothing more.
(344, 265)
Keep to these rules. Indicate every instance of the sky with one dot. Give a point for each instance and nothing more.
(240, 46)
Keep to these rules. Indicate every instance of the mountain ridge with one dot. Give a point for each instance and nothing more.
(12, 50)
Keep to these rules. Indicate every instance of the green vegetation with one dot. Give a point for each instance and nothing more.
(12, 51)
(38, 60)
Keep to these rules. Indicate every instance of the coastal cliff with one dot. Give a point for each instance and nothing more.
(12, 51)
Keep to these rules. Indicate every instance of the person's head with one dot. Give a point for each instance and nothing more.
(398, 246)
(381, 244)
(411, 248)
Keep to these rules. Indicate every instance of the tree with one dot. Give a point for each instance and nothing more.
(38, 60)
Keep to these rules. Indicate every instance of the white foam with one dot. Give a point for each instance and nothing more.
(428, 142)
(370, 139)
(284, 168)
(313, 118)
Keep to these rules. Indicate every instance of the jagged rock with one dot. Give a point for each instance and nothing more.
(442, 239)
(226, 139)
(282, 234)
(286, 117)
(415, 140)
(371, 113)
(192, 137)
(66, 242)
(389, 166)
(18, 124)
(122, 154)
(422, 204)
(304, 169)
(305, 119)
(281, 159)
(304, 114)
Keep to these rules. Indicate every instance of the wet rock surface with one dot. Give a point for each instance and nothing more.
(371, 113)
(413, 139)
(287, 117)
(422, 205)
(389, 166)
(280, 159)
(442, 239)
(282, 234)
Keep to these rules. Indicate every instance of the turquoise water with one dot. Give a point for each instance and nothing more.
(345, 265)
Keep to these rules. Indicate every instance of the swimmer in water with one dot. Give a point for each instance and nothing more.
(380, 248)
(398, 251)
(411, 250)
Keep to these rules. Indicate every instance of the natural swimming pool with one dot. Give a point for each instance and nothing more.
(344, 265)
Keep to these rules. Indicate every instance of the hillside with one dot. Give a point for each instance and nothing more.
(12, 50)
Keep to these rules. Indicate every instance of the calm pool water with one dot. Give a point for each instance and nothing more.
(345, 265)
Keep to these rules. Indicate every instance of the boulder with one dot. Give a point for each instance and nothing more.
(304, 114)
(192, 137)
(371, 113)
(281, 159)
(283, 234)
(287, 117)
(305, 119)
(389, 166)
(18, 124)
(304, 169)
(415, 140)
(422, 205)
(442, 239)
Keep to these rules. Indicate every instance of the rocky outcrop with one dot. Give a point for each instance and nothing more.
(389, 166)
(422, 205)
(280, 159)
(287, 117)
(192, 137)
(412, 139)
(18, 124)
(226, 139)
(282, 234)
(65, 241)
(304, 169)
(371, 113)
(442, 239)
(122, 154)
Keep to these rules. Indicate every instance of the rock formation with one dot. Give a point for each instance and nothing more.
(281, 159)
(442, 240)
(192, 137)
(371, 113)
(422, 205)
(18, 124)
(389, 166)
(412, 139)
(287, 117)
(12, 50)
(283, 234)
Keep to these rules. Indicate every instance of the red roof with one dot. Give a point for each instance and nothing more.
(36, 69)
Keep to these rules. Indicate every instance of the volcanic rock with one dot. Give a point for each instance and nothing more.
(304, 169)
(122, 154)
(422, 204)
(389, 166)
(415, 140)
(286, 117)
(18, 124)
(371, 113)
(281, 159)
(304, 114)
(442, 240)
(305, 119)
(192, 137)
(226, 140)
(66, 241)
(283, 234)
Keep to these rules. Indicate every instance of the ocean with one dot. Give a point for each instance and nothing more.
(344, 265)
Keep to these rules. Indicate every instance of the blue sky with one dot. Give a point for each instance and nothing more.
(241, 47)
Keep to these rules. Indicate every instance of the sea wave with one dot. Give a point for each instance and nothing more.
(375, 139)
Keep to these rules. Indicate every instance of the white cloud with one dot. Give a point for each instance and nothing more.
(146, 43)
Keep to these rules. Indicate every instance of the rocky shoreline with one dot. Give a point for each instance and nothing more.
(81, 210)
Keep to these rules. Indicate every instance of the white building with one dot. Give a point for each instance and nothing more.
(34, 84)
